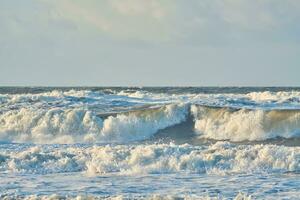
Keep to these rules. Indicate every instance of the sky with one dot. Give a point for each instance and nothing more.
(150, 43)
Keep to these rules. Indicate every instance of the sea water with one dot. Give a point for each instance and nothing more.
(149, 143)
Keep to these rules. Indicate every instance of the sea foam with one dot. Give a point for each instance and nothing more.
(59, 125)
(220, 158)
(245, 124)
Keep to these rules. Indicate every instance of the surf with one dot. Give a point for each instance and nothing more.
(59, 125)
(233, 124)
(219, 159)
(183, 122)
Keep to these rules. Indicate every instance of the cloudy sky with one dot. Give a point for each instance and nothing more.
(150, 42)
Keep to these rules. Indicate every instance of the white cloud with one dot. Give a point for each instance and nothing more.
(103, 41)
(221, 21)
(154, 21)
(139, 8)
(127, 19)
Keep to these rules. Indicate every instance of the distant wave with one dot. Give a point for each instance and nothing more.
(105, 100)
(252, 99)
(220, 158)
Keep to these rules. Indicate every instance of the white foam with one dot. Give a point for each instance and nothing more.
(43, 126)
(139, 126)
(81, 98)
(46, 96)
(70, 116)
(60, 125)
(220, 158)
(280, 97)
(266, 99)
(243, 124)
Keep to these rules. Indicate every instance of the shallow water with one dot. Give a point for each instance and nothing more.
(261, 186)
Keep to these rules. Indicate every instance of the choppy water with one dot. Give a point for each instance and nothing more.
(150, 143)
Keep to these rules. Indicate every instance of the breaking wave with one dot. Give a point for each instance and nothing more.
(281, 97)
(76, 116)
(58, 125)
(245, 124)
(220, 158)
(65, 126)
(178, 143)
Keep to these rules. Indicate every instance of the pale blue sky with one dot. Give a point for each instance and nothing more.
(150, 42)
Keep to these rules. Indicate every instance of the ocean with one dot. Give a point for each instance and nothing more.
(149, 143)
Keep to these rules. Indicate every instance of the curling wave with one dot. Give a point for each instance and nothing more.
(76, 125)
(245, 124)
(58, 125)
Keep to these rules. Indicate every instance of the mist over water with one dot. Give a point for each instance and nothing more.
(116, 142)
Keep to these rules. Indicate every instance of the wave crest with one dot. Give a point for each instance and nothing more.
(244, 124)
(77, 125)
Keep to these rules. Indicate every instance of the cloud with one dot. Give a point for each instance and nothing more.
(242, 21)
(209, 22)
(137, 8)
(126, 19)
(154, 42)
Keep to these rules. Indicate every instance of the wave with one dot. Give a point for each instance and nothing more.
(175, 121)
(59, 125)
(111, 98)
(245, 124)
(269, 99)
(132, 115)
(221, 158)
(282, 97)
